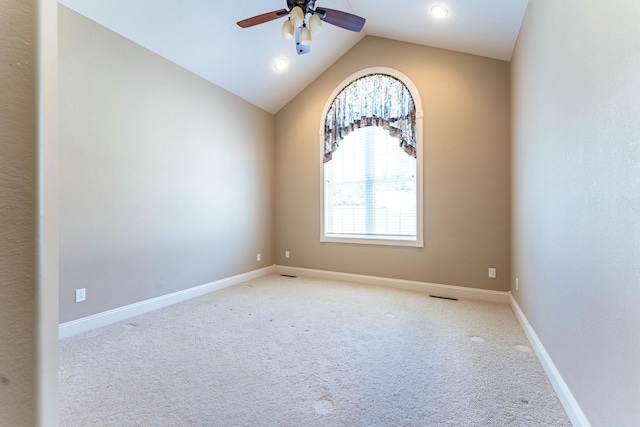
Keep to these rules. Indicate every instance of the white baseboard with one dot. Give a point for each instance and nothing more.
(428, 288)
(571, 406)
(105, 318)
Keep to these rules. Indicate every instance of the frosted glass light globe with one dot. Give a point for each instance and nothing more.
(287, 30)
(315, 24)
(297, 17)
(305, 36)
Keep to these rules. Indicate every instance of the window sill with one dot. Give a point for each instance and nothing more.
(380, 241)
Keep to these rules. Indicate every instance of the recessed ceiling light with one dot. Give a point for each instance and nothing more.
(281, 64)
(439, 11)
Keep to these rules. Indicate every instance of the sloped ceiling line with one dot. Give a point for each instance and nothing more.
(201, 36)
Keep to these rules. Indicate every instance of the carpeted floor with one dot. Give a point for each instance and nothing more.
(280, 351)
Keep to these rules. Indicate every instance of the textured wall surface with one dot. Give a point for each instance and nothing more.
(465, 100)
(18, 208)
(166, 181)
(576, 196)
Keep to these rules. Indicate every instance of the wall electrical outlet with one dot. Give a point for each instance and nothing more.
(492, 273)
(258, 257)
(81, 295)
(286, 254)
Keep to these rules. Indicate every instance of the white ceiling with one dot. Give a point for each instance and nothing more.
(202, 36)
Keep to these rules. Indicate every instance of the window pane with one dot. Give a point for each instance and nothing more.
(370, 187)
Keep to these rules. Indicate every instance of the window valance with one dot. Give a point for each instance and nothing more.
(372, 100)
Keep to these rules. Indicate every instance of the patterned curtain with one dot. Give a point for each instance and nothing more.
(372, 100)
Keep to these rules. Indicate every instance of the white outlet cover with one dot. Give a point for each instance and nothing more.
(492, 273)
(81, 295)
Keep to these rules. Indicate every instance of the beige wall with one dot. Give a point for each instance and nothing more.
(466, 170)
(28, 228)
(576, 196)
(166, 180)
(18, 210)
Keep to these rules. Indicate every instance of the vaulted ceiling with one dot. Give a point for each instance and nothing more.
(202, 36)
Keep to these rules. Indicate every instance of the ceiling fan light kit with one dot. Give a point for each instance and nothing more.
(305, 19)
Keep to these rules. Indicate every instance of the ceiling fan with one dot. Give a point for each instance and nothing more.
(305, 19)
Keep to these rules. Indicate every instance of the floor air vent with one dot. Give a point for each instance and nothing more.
(288, 275)
(439, 297)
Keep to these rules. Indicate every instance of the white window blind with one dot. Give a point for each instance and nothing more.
(370, 188)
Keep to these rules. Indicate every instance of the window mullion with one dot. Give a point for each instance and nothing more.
(370, 200)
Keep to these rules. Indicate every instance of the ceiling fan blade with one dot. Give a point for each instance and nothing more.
(341, 19)
(261, 19)
(301, 49)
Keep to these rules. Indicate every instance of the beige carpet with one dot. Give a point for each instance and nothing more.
(280, 351)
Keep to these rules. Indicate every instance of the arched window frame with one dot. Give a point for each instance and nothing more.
(419, 241)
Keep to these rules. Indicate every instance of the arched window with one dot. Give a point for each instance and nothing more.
(371, 137)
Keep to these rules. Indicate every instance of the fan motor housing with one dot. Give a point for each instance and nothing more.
(306, 5)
